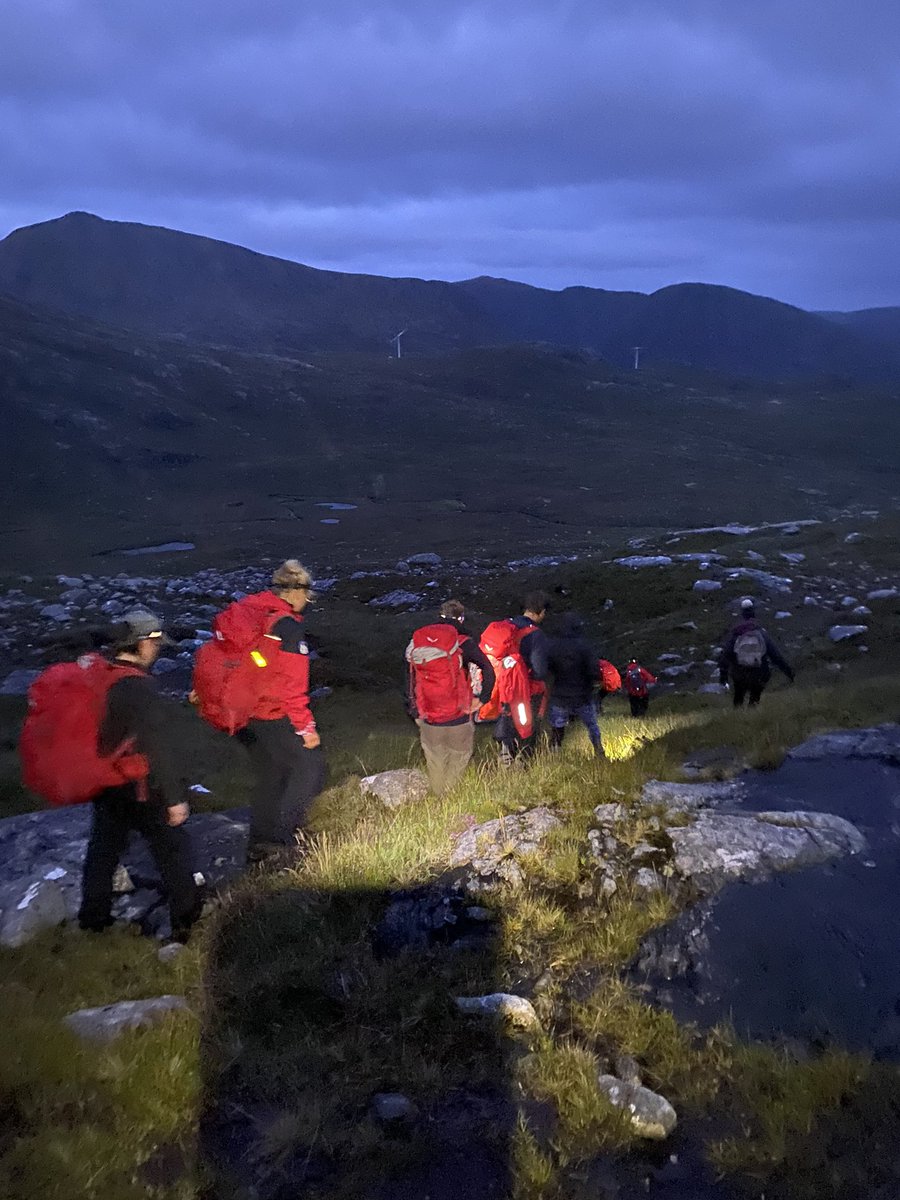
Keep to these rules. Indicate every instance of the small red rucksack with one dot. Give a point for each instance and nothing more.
(514, 688)
(610, 679)
(635, 683)
(229, 669)
(439, 681)
(58, 748)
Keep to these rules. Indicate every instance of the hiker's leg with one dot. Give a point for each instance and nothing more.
(739, 686)
(304, 782)
(109, 837)
(173, 854)
(271, 767)
(634, 703)
(755, 690)
(437, 748)
(588, 716)
(505, 737)
(528, 746)
(558, 720)
(458, 744)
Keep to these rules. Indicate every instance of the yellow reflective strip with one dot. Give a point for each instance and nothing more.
(258, 658)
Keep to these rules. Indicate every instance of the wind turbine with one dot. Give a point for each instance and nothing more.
(395, 340)
(637, 355)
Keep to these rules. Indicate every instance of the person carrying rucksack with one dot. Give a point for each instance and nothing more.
(98, 730)
(449, 677)
(573, 671)
(747, 658)
(637, 682)
(610, 682)
(517, 650)
(252, 680)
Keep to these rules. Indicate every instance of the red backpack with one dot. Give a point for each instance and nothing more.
(610, 679)
(58, 747)
(439, 681)
(514, 687)
(635, 682)
(229, 670)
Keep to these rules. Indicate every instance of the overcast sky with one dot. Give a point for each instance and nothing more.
(622, 145)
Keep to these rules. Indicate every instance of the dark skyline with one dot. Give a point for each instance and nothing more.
(559, 143)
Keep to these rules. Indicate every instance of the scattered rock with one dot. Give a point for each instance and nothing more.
(650, 1114)
(424, 560)
(516, 1010)
(168, 954)
(862, 611)
(725, 759)
(392, 1106)
(707, 585)
(782, 615)
(55, 612)
(853, 539)
(635, 561)
(396, 599)
(841, 633)
(690, 797)
(18, 682)
(610, 814)
(883, 594)
(108, 1022)
(396, 788)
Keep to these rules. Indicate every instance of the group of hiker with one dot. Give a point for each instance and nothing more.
(97, 729)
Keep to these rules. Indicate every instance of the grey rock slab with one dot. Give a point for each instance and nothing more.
(813, 822)
(718, 848)
(881, 742)
(841, 633)
(168, 954)
(515, 1010)
(106, 1023)
(610, 814)
(883, 594)
(491, 849)
(396, 788)
(712, 689)
(706, 585)
(55, 612)
(396, 599)
(650, 1114)
(690, 797)
(636, 561)
(27, 911)
(772, 583)
(424, 560)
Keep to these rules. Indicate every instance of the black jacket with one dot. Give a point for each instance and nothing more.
(773, 656)
(135, 710)
(472, 656)
(533, 647)
(573, 667)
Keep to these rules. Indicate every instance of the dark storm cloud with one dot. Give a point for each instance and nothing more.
(748, 144)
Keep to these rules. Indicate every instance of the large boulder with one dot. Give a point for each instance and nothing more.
(842, 633)
(515, 1010)
(395, 789)
(490, 850)
(28, 907)
(719, 848)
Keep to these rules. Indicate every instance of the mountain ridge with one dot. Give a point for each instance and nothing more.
(164, 282)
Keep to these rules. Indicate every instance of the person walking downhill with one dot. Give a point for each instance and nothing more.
(517, 649)
(747, 658)
(637, 682)
(573, 671)
(98, 730)
(449, 677)
(252, 680)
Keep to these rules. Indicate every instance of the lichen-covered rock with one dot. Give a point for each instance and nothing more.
(650, 1114)
(718, 848)
(491, 849)
(515, 1010)
(396, 788)
(689, 797)
(106, 1023)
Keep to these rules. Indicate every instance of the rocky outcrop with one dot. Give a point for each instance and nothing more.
(689, 797)
(881, 742)
(718, 848)
(42, 854)
(515, 1010)
(395, 789)
(491, 850)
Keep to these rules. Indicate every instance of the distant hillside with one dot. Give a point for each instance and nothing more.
(164, 283)
(120, 440)
(877, 324)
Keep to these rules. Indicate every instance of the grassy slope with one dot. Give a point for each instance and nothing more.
(122, 1121)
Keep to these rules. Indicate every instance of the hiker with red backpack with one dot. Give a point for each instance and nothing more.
(747, 658)
(573, 669)
(610, 682)
(98, 730)
(517, 650)
(449, 678)
(637, 682)
(252, 681)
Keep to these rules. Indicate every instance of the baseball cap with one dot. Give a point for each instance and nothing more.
(137, 624)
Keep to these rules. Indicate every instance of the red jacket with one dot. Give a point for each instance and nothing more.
(286, 681)
(646, 680)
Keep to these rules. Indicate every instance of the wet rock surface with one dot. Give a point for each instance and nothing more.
(810, 954)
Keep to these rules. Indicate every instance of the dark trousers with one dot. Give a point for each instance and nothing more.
(288, 779)
(116, 813)
(639, 705)
(562, 714)
(513, 746)
(748, 682)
